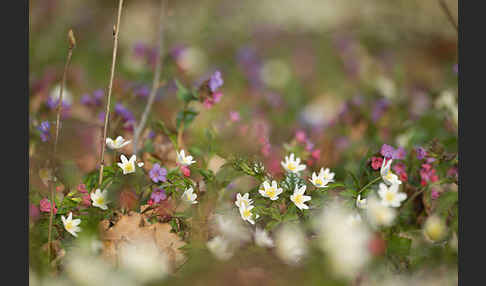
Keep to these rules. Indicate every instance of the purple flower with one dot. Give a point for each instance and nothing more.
(122, 111)
(158, 195)
(387, 151)
(44, 130)
(421, 153)
(86, 99)
(157, 174)
(139, 50)
(379, 109)
(142, 91)
(400, 153)
(98, 96)
(151, 134)
(101, 116)
(216, 81)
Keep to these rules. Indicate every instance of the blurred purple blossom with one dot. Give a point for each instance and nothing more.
(215, 81)
(379, 109)
(421, 153)
(44, 128)
(234, 116)
(387, 151)
(122, 111)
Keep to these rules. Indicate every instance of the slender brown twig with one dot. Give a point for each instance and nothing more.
(448, 13)
(110, 86)
(72, 44)
(156, 80)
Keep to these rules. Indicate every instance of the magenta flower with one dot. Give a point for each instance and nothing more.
(82, 188)
(400, 153)
(234, 116)
(185, 171)
(300, 136)
(376, 162)
(158, 195)
(387, 151)
(428, 174)
(34, 212)
(45, 206)
(158, 174)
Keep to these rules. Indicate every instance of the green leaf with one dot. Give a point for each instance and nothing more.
(399, 246)
(185, 116)
(183, 93)
(355, 180)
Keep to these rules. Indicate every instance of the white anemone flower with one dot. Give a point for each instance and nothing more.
(100, 199)
(67, 96)
(361, 202)
(189, 196)
(220, 248)
(299, 199)
(379, 214)
(390, 196)
(118, 143)
(270, 191)
(247, 215)
(243, 200)
(183, 159)
(325, 177)
(388, 177)
(290, 243)
(262, 238)
(128, 166)
(71, 225)
(345, 243)
(292, 164)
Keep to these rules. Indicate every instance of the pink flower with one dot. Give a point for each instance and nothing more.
(376, 162)
(150, 202)
(45, 206)
(300, 136)
(316, 154)
(434, 194)
(208, 102)
(185, 171)
(86, 200)
(427, 174)
(82, 188)
(217, 96)
(234, 116)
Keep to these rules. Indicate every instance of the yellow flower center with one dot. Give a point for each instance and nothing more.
(188, 197)
(270, 192)
(390, 196)
(246, 213)
(100, 201)
(298, 199)
(319, 182)
(291, 166)
(69, 225)
(129, 168)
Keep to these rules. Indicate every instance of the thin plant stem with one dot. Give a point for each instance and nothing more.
(72, 44)
(448, 13)
(110, 86)
(369, 184)
(156, 80)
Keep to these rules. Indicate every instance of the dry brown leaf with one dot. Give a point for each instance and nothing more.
(134, 227)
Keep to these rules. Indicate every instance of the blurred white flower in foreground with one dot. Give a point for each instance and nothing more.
(128, 166)
(220, 248)
(118, 143)
(387, 175)
(325, 177)
(100, 199)
(447, 101)
(193, 60)
(435, 229)
(183, 159)
(262, 238)
(291, 244)
(390, 196)
(270, 191)
(386, 86)
(298, 197)
(379, 214)
(346, 244)
(189, 196)
(292, 164)
(67, 96)
(144, 261)
(71, 225)
(232, 228)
